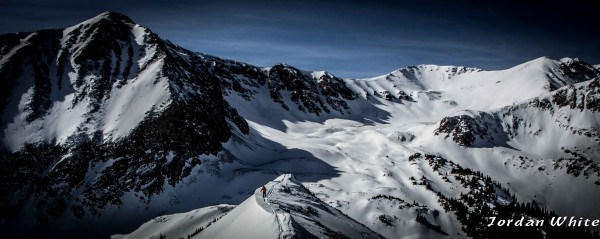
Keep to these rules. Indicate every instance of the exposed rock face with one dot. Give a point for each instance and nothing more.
(577, 69)
(471, 130)
(583, 98)
(310, 95)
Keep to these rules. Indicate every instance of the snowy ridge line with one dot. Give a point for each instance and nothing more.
(301, 214)
(273, 187)
(277, 219)
(292, 212)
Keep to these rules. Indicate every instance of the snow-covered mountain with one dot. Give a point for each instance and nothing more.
(289, 210)
(105, 123)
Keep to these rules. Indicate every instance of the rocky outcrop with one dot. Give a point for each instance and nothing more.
(472, 130)
(315, 96)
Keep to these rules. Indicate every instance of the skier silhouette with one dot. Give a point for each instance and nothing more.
(264, 191)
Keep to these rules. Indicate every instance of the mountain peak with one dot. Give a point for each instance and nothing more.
(545, 60)
(109, 13)
(113, 16)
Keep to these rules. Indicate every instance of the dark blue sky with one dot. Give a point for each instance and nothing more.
(347, 38)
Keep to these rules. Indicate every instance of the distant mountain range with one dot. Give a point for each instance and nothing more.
(105, 126)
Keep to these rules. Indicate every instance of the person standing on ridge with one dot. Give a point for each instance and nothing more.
(264, 191)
